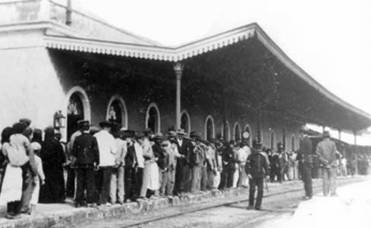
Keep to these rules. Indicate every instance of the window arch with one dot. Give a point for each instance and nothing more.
(209, 127)
(116, 111)
(226, 131)
(185, 121)
(153, 120)
(236, 131)
(77, 108)
(247, 128)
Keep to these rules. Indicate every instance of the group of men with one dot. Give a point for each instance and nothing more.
(114, 165)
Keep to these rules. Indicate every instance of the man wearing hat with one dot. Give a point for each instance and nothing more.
(326, 151)
(256, 168)
(197, 160)
(107, 151)
(70, 171)
(85, 158)
(305, 157)
(183, 170)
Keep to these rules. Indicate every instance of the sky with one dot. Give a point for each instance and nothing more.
(329, 39)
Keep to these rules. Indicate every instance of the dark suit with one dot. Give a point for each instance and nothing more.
(257, 167)
(85, 150)
(305, 158)
(183, 177)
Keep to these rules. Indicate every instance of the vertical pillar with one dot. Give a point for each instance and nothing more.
(355, 152)
(355, 138)
(259, 133)
(178, 68)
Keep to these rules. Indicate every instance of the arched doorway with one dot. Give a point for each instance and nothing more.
(116, 111)
(209, 128)
(237, 132)
(153, 118)
(78, 108)
(185, 122)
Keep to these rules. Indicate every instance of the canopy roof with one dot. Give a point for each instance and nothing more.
(91, 35)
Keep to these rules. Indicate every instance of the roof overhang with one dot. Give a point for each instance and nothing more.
(192, 49)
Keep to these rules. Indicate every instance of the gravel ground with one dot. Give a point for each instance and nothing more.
(277, 210)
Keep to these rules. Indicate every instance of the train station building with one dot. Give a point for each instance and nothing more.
(54, 58)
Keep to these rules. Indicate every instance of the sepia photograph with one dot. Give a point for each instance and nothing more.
(185, 113)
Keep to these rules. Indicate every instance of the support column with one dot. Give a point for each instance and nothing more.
(178, 68)
(355, 138)
(355, 152)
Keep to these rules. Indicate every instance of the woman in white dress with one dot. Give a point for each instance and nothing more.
(151, 179)
(11, 190)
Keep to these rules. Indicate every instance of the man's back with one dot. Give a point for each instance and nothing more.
(326, 150)
(85, 150)
(306, 150)
(257, 165)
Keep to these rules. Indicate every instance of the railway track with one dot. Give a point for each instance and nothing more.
(266, 214)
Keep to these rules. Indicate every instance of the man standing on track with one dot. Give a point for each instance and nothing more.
(305, 157)
(256, 169)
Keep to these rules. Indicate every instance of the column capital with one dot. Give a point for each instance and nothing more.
(178, 68)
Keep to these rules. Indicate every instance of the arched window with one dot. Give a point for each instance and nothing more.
(185, 121)
(116, 111)
(78, 108)
(209, 128)
(153, 118)
(226, 131)
(237, 131)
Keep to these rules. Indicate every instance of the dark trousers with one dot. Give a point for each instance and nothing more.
(70, 192)
(85, 182)
(307, 179)
(103, 183)
(226, 177)
(256, 182)
(28, 186)
(276, 172)
(183, 177)
(133, 182)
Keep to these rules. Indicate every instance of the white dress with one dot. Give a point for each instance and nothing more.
(151, 179)
(11, 189)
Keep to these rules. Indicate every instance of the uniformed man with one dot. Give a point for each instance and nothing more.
(305, 158)
(86, 159)
(326, 151)
(257, 169)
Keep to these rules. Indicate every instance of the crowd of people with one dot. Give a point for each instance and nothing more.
(113, 165)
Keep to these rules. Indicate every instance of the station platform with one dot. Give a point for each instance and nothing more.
(65, 215)
(350, 208)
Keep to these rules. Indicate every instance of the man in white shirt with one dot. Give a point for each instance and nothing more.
(107, 151)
